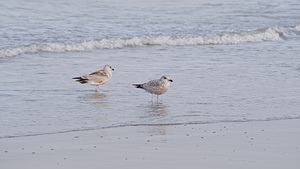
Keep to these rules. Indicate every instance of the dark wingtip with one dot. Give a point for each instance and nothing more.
(138, 85)
(82, 81)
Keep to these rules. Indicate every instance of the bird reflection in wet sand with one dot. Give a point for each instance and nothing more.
(159, 109)
(98, 99)
(158, 114)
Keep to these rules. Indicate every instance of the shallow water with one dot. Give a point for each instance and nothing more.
(228, 63)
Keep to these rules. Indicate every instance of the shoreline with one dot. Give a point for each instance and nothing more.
(150, 125)
(256, 144)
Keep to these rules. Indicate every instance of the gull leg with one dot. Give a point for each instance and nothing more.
(157, 98)
(152, 98)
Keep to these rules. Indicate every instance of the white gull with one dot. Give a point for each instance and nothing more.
(97, 78)
(157, 87)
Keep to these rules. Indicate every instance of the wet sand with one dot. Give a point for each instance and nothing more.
(265, 144)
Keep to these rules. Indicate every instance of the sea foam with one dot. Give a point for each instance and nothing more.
(268, 34)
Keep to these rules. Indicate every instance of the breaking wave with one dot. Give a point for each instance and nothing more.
(268, 34)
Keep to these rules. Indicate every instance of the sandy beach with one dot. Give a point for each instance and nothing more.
(264, 144)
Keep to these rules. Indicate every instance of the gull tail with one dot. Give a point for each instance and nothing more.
(81, 80)
(138, 85)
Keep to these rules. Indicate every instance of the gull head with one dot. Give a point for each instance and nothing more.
(167, 78)
(108, 67)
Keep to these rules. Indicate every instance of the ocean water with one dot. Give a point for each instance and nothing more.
(230, 60)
